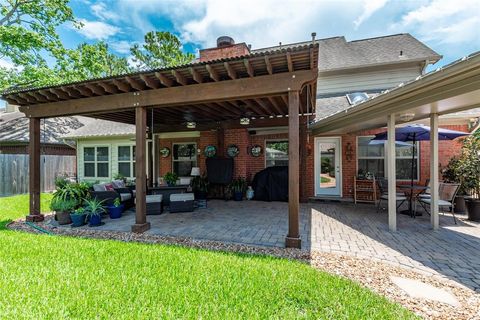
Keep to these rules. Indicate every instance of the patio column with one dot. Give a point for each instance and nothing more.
(434, 170)
(293, 238)
(392, 174)
(141, 223)
(34, 171)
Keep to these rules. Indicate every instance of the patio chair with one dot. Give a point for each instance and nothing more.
(383, 187)
(447, 193)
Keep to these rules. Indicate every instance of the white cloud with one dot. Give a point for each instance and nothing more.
(100, 10)
(121, 46)
(97, 30)
(444, 21)
(369, 8)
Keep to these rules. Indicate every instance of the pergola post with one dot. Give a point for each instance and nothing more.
(34, 171)
(392, 174)
(434, 184)
(141, 223)
(293, 238)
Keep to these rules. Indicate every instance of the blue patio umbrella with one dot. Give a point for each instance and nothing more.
(418, 132)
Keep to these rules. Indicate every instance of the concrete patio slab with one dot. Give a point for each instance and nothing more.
(418, 289)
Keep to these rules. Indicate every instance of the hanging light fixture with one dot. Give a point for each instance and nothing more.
(245, 121)
(191, 125)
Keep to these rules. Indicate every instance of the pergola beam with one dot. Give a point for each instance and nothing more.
(268, 64)
(240, 89)
(148, 82)
(196, 75)
(121, 86)
(231, 73)
(179, 78)
(213, 74)
(248, 66)
(163, 79)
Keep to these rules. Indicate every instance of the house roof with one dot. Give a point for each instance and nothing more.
(337, 53)
(14, 128)
(101, 128)
(451, 89)
(329, 105)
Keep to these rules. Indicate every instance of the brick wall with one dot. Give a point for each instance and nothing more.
(230, 51)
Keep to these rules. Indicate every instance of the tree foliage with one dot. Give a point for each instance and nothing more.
(27, 27)
(161, 49)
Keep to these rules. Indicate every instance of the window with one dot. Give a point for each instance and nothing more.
(357, 97)
(126, 161)
(184, 158)
(276, 153)
(371, 158)
(95, 162)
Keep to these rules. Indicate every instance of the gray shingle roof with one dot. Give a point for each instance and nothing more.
(326, 106)
(337, 53)
(14, 127)
(102, 128)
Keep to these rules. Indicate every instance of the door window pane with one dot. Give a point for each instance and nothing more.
(184, 158)
(327, 165)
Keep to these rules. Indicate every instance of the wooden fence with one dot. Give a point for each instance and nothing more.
(14, 172)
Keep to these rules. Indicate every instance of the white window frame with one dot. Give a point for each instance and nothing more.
(265, 149)
(417, 148)
(96, 162)
(173, 157)
(131, 161)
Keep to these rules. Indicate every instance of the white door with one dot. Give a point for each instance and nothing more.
(328, 172)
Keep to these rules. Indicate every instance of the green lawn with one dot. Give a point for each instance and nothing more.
(57, 277)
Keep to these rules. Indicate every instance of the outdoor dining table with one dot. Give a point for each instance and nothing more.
(411, 191)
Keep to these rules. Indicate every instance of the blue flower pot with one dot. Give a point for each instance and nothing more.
(95, 220)
(115, 212)
(78, 220)
(238, 196)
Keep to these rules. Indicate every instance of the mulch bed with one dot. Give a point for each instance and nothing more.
(371, 274)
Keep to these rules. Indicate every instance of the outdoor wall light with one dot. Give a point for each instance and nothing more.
(406, 117)
(244, 121)
(191, 125)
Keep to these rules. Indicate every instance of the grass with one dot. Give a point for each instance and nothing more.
(14, 207)
(325, 180)
(57, 277)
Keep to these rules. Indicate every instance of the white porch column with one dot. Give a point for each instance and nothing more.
(434, 170)
(392, 175)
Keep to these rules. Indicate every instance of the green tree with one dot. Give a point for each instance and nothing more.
(90, 61)
(27, 27)
(161, 49)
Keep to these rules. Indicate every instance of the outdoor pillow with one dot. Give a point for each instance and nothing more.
(118, 184)
(109, 187)
(99, 187)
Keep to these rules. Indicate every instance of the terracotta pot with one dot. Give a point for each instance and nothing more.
(63, 218)
(473, 208)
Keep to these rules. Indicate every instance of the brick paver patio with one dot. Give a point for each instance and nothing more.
(451, 252)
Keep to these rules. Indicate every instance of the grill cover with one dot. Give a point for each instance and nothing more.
(271, 184)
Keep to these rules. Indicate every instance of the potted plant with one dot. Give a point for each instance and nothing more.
(115, 210)
(119, 176)
(238, 186)
(78, 217)
(170, 178)
(62, 209)
(199, 186)
(469, 170)
(451, 174)
(94, 209)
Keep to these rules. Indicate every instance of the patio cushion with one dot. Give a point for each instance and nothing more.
(154, 198)
(399, 198)
(118, 184)
(182, 197)
(99, 187)
(109, 187)
(125, 196)
(440, 202)
(134, 192)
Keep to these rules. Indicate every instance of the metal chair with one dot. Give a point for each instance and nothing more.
(447, 193)
(383, 187)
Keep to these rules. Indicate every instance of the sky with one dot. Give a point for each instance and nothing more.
(450, 27)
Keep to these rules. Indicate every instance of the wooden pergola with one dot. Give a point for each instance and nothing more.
(270, 88)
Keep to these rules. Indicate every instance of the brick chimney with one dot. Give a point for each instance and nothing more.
(226, 48)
